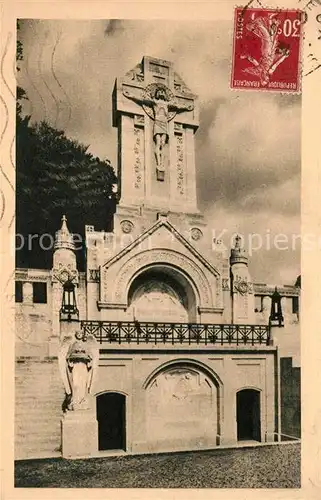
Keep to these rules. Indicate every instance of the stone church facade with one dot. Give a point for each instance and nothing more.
(165, 342)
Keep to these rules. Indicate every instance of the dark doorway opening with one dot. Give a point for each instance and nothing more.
(248, 415)
(111, 416)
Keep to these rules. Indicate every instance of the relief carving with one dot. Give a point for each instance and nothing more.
(225, 284)
(64, 273)
(126, 226)
(196, 234)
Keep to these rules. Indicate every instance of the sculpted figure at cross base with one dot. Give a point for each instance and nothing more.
(78, 361)
(159, 104)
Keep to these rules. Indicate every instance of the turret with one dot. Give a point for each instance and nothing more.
(64, 278)
(241, 285)
(64, 248)
(238, 254)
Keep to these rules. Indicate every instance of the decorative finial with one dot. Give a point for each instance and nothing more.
(238, 241)
(238, 253)
(64, 238)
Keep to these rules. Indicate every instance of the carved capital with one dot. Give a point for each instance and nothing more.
(226, 284)
(64, 273)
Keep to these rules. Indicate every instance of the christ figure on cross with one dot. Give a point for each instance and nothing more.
(163, 110)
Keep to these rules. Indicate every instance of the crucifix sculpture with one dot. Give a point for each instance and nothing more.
(160, 105)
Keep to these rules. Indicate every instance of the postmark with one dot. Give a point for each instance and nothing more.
(267, 50)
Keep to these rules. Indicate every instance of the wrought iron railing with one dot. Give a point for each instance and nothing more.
(138, 333)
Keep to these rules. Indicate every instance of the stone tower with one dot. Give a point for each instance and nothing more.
(156, 116)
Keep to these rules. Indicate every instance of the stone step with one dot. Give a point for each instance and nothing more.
(41, 402)
(27, 363)
(34, 388)
(38, 438)
(43, 376)
(37, 416)
(34, 454)
(27, 424)
(37, 413)
(37, 452)
(39, 396)
(35, 439)
(42, 393)
(50, 398)
(46, 393)
(33, 385)
(39, 391)
(40, 429)
(35, 410)
(37, 419)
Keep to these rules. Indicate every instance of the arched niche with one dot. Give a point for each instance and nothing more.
(160, 293)
(204, 283)
(183, 405)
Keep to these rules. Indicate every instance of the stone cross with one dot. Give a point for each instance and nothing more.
(160, 105)
(156, 115)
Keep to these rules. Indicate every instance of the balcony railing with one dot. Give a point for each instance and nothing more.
(137, 333)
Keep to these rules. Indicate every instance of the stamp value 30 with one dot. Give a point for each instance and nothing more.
(267, 50)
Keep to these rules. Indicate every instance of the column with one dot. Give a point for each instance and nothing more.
(27, 293)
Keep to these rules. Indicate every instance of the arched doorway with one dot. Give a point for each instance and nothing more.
(248, 415)
(111, 416)
(162, 294)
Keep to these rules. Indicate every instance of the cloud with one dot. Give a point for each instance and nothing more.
(247, 145)
(251, 142)
(272, 241)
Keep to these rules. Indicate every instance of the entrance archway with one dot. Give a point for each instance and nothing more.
(248, 415)
(162, 294)
(111, 416)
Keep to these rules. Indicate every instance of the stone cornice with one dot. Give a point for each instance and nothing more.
(284, 290)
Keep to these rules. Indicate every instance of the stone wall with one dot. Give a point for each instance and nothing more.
(129, 374)
(38, 398)
(290, 398)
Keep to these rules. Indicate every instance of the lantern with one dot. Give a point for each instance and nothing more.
(276, 316)
(69, 306)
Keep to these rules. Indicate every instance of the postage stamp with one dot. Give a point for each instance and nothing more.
(267, 50)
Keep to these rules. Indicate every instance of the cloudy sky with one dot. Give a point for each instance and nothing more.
(248, 143)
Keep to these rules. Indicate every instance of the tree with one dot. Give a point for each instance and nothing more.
(56, 175)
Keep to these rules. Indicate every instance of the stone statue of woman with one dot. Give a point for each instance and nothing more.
(78, 364)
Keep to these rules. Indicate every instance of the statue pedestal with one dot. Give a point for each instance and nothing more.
(79, 431)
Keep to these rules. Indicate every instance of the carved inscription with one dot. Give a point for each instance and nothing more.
(180, 164)
(138, 157)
